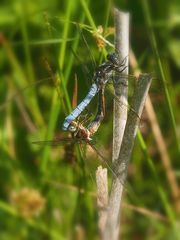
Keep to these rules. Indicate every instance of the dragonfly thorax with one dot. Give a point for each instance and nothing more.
(102, 74)
(79, 131)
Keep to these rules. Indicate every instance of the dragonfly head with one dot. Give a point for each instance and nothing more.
(118, 65)
(113, 58)
(73, 127)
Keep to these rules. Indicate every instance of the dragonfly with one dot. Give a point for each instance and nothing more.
(101, 76)
(81, 135)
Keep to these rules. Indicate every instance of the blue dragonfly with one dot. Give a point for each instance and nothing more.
(101, 76)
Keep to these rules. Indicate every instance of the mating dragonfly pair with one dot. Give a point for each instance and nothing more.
(103, 74)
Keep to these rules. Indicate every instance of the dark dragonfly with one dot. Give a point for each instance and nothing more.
(101, 76)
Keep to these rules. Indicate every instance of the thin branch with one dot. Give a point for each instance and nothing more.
(121, 164)
(102, 197)
(121, 20)
(138, 102)
(120, 117)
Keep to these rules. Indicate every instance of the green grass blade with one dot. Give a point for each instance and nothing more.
(88, 14)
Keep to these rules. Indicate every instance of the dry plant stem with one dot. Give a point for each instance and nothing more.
(161, 146)
(138, 101)
(102, 197)
(121, 20)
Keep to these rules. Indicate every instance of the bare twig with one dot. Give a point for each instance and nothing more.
(121, 163)
(138, 101)
(102, 197)
(120, 116)
(121, 20)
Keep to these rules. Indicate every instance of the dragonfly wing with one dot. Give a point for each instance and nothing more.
(120, 79)
(54, 142)
(105, 161)
(59, 142)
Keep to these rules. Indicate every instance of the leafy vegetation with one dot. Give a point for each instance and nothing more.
(50, 193)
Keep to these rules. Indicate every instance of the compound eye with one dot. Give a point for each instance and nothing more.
(113, 57)
(72, 128)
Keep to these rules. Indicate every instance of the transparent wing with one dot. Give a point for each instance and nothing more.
(110, 93)
(60, 142)
(92, 144)
(105, 161)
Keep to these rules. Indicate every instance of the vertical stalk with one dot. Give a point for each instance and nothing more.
(138, 102)
(102, 197)
(121, 20)
(120, 116)
(121, 163)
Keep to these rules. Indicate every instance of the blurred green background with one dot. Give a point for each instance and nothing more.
(50, 193)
